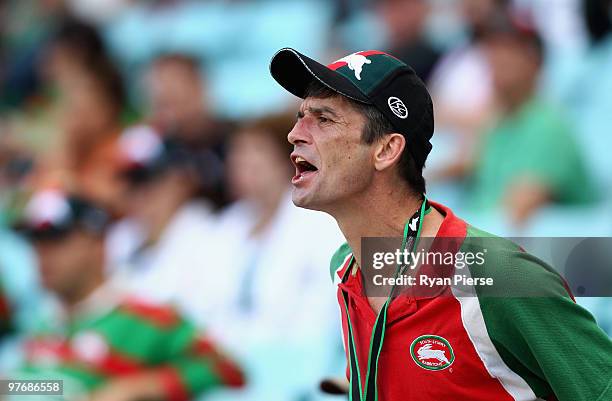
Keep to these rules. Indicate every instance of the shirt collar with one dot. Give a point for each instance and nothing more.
(451, 227)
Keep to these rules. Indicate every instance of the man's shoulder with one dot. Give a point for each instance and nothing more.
(339, 259)
(515, 272)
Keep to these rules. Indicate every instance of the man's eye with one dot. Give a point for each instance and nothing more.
(323, 119)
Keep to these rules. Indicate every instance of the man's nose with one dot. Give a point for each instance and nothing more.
(298, 134)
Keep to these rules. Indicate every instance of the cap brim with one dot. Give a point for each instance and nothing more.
(295, 71)
(36, 234)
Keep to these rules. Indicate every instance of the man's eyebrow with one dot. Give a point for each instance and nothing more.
(322, 110)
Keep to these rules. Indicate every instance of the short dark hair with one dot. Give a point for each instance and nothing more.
(512, 30)
(192, 64)
(83, 40)
(107, 78)
(376, 126)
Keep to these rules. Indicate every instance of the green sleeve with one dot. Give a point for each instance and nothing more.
(338, 258)
(551, 342)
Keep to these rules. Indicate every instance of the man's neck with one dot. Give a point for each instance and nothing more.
(513, 104)
(74, 300)
(383, 215)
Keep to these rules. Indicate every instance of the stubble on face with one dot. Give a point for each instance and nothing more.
(328, 134)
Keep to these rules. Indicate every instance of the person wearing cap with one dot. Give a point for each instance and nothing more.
(158, 247)
(102, 342)
(361, 140)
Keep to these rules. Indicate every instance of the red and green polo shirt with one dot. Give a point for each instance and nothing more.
(129, 337)
(477, 348)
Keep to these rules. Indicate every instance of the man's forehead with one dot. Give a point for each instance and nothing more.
(333, 104)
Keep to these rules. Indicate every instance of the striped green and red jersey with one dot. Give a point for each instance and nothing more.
(128, 338)
(449, 346)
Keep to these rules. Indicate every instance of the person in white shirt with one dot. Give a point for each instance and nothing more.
(281, 319)
(160, 244)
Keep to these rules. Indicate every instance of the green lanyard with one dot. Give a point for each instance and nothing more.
(356, 393)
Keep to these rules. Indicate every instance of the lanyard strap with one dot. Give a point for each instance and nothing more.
(412, 232)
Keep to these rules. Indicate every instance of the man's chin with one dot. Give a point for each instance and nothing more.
(299, 202)
(302, 199)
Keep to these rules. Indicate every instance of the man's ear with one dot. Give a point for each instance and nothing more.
(388, 151)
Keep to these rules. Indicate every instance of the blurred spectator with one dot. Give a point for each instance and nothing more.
(104, 343)
(72, 50)
(159, 246)
(462, 89)
(179, 107)
(405, 21)
(91, 128)
(275, 255)
(92, 109)
(529, 158)
(178, 101)
(72, 131)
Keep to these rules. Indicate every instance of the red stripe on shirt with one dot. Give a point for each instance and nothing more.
(173, 385)
(163, 316)
(111, 364)
(227, 371)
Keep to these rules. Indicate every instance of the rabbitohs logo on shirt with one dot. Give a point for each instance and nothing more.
(432, 352)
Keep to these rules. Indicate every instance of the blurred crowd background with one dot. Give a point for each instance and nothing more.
(163, 114)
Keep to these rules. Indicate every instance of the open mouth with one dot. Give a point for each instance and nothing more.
(303, 168)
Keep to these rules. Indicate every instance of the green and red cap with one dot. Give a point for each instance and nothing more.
(51, 214)
(370, 77)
